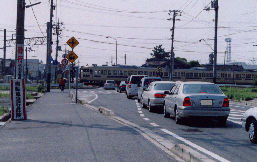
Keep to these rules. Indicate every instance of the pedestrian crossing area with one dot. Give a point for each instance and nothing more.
(236, 112)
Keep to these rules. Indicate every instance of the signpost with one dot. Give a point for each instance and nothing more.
(72, 42)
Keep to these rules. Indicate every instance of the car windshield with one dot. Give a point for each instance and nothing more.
(201, 88)
(148, 81)
(136, 79)
(110, 81)
(163, 86)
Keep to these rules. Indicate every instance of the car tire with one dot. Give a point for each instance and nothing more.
(138, 100)
(129, 97)
(165, 113)
(150, 108)
(253, 131)
(177, 120)
(143, 105)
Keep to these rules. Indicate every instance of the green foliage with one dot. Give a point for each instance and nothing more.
(194, 63)
(236, 93)
(3, 110)
(3, 95)
(159, 53)
(41, 88)
(255, 82)
(4, 88)
(31, 88)
(29, 96)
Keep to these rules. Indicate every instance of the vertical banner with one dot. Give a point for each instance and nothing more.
(20, 61)
(18, 97)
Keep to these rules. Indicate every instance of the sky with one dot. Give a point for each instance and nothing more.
(138, 26)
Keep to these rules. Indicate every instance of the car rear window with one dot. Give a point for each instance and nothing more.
(163, 86)
(136, 79)
(201, 88)
(110, 81)
(148, 81)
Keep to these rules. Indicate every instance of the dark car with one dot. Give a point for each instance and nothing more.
(121, 87)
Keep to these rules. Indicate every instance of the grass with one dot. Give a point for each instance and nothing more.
(3, 110)
(240, 93)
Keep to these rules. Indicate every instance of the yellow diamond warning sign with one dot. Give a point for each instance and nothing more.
(71, 56)
(72, 42)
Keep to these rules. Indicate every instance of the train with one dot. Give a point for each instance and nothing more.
(97, 75)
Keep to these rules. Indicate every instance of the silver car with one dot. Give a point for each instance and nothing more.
(109, 84)
(154, 95)
(196, 99)
(249, 124)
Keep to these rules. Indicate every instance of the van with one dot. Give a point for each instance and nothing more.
(144, 83)
(132, 85)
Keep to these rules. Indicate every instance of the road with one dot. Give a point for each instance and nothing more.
(229, 143)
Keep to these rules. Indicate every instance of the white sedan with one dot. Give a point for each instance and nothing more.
(154, 95)
(249, 123)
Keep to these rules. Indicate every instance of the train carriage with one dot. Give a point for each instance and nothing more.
(96, 75)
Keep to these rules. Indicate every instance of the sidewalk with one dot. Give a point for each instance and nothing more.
(57, 129)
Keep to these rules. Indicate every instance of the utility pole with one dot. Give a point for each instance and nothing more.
(49, 47)
(125, 59)
(172, 40)
(57, 29)
(216, 8)
(4, 58)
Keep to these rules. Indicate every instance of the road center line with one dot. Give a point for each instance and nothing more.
(215, 156)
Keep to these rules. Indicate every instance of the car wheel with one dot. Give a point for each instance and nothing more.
(165, 113)
(138, 100)
(129, 97)
(150, 108)
(253, 131)
(178, 121)
(143, 105)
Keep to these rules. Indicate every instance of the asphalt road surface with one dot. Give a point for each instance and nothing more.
(228, 143)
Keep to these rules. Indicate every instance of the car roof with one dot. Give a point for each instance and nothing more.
(152, 78)
(163, 82)
(195, 82)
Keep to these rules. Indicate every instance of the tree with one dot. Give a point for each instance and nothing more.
(194, 64)
(159, 53)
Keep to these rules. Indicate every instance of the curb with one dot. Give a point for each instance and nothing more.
(184, 152)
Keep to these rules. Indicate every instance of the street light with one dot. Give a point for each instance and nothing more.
(116, 47)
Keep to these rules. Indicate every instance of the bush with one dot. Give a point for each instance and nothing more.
(248, 98)
(41, 89)
(254, 90)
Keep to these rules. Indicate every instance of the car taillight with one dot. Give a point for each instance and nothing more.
(186, 101)
(129, 84)
(159, 95)
(225, 102)
(106, 84)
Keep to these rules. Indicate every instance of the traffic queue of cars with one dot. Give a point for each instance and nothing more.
(183, 100)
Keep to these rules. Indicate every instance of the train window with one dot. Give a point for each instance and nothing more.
(120, 72)
(125, 73)
(182, 74)
(91, 71)
(187, 74)
(129, 73)
(146, 72)
(154, 73)
(238, 75)
(140, 72)
(196, 75)
(86, 70)
(200, 75)
(95, 72)
(248, 75)
(178, 74)
(211, 74)
(109, 72)
(99, 72)
(135, 72)
(191, 75)
(105, 72)
(229, 75)
(114, 72)
(166, 74)
(150, 73)
(175, 74)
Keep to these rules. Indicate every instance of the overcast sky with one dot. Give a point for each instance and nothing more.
(138, 26)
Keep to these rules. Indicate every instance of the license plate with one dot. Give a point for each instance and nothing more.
(206, 102)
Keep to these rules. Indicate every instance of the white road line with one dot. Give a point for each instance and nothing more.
(96, 96)
(235, 114)
(215, 156)
(142, 115)
(139, 109)
(153, 124)
(146, 119)
(140, 112)
(236, 106)
(234, 118)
